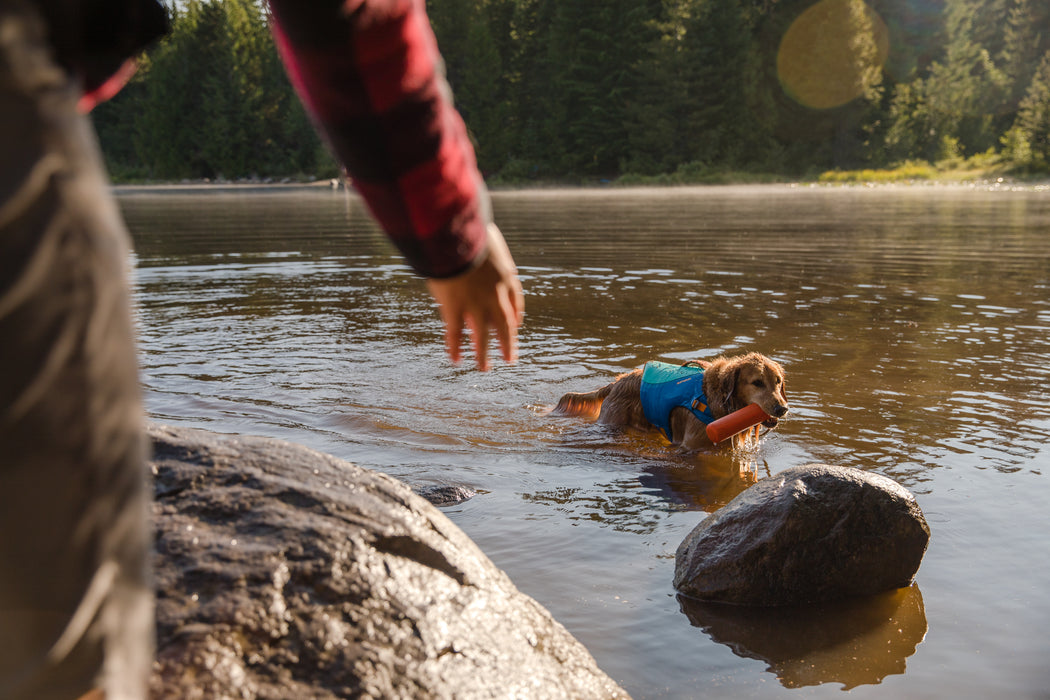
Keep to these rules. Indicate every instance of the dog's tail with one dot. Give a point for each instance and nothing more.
(587, 405)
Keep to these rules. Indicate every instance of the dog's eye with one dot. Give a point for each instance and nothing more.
(759, 383)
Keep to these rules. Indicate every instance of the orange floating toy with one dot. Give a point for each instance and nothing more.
(736, 422)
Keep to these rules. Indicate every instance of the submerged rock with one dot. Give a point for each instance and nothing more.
(444, 495)
(286, 573)
(808, 534)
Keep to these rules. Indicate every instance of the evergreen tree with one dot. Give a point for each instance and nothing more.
(967, 91)
(466, 36)
(1026, 36)
(529, 94)
(576, 49)
(482, 104)
(592, 52)
(723, 125)
(211, 100)
(913, 128)
(664, 100)
(1029, 139)
(449, 20)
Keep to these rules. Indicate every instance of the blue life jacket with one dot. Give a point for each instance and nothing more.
(666, 386)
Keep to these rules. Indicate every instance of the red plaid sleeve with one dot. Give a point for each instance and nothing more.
(367, 71)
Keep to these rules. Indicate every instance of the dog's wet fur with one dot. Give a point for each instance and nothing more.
(731, 383)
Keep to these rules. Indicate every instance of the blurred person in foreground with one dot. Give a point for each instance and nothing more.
(76, 609)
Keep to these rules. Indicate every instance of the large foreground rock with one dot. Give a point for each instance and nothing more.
(807, 534)
(285, 573)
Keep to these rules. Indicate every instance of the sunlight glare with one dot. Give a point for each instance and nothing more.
(833, 53)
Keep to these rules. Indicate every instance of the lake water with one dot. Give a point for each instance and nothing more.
(914, 325)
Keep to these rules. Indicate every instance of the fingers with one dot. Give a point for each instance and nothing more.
(510, 299)
(486, 299)
(480, 337)
(510, 317)
(453, 336)
(481, 322)
(505, 324)
(503, 320)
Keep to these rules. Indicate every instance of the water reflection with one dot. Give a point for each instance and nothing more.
(616, 505)
(701, 480)
(705, 482)
(854, 643)
(656, 482)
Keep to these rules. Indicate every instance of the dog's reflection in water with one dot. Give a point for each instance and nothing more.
(703, 481)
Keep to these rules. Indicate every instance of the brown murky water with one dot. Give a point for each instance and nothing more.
(914, 325)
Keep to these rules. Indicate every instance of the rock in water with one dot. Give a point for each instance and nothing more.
(443, 495)
(808, 534)
(286, 573)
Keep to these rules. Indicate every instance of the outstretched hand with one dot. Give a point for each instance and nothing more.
(486, 297)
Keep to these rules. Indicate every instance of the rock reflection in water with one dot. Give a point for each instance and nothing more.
(856, 642)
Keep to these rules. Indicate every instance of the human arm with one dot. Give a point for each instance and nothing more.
(367, 70)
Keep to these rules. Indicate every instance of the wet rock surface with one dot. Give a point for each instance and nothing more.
(286, 573)
(809, 534)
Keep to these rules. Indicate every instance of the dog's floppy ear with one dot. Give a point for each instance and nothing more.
(727, 387)
(724, 376)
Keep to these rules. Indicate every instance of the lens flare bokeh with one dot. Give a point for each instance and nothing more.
(833, 53)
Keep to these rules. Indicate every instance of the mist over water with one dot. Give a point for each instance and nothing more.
(914, 325)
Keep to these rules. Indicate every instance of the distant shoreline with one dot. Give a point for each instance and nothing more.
(207, 187)
(213, 187)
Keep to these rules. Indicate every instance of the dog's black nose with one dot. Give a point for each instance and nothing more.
(780, 411)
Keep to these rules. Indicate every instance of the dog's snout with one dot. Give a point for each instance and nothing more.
(780, 411)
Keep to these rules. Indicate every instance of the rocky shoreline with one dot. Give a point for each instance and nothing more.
(282, 572)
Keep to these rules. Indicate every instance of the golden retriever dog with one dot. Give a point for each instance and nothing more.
(680, 400)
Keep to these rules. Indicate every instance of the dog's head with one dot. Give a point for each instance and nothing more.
(752, 378)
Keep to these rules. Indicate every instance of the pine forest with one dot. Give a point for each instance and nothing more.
(577, 91)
